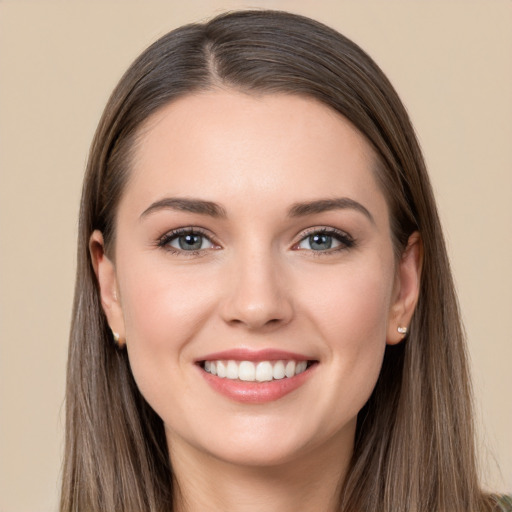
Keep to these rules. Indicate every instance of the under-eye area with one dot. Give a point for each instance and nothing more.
(262, 371)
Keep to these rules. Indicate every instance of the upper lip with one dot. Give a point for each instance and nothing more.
(243, 354)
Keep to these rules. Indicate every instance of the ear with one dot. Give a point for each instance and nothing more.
(107, 280)
(406, 289)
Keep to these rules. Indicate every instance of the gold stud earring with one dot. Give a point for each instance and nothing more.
(402, 330)
(115, 335)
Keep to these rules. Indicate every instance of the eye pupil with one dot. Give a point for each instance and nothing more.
(190, 242)
(320, 241)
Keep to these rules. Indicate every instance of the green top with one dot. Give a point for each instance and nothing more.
(504, 504)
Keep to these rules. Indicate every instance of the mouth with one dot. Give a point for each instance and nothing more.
(256, 371)
(256, 377)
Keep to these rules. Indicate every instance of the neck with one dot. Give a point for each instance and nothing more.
(310, 483)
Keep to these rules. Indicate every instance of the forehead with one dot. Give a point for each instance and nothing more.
(224, 144)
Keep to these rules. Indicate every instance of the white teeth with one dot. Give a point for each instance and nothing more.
(221, 369)
(289, 370)
(246, 371)
(232, 370)
(278, 370)
(264, 371)
(249, 371)
(300, 367)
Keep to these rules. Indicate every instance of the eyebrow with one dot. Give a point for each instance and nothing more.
(212, 209)
(186, 205)
(325, 205)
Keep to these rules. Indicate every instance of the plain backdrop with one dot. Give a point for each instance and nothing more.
(451, 62)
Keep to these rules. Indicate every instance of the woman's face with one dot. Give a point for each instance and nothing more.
(253, 243)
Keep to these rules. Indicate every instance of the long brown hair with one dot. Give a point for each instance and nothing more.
(414, 447)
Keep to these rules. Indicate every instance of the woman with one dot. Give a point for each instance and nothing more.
(264, 313)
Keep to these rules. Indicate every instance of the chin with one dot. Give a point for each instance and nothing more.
(272, 442)
(258, 457)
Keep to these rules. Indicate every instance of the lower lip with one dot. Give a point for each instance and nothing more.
(257, 392)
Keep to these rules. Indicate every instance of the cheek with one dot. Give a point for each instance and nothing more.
(162, 311)
(351, 313)
(158, 298)
(353, 304)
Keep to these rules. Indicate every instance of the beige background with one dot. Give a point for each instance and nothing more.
(450, 61)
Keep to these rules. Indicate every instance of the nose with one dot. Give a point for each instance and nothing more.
(259, 295)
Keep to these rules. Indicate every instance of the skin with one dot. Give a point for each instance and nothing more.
(257, 284)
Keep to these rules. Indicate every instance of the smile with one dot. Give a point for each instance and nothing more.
(256, 377)
(249, 371)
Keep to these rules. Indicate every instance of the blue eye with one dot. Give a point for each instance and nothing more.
(324, 240)
(186, 240)
(189, 242)
(320, 241)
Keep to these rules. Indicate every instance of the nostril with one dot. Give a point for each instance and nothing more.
(255, 323)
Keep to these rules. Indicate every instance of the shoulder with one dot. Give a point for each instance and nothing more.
(504, 503)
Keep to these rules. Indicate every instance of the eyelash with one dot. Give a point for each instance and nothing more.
(345, 240)
(165, 241)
